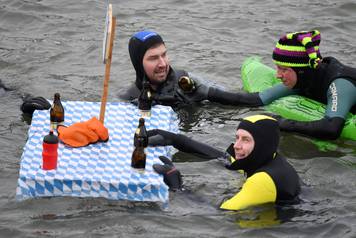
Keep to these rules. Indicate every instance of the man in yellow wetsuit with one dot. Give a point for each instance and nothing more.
(270, 178)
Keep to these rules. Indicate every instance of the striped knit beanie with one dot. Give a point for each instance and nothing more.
(298, 49)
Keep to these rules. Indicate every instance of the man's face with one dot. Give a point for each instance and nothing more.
(156, 64)
(244, 144)
(287, 75)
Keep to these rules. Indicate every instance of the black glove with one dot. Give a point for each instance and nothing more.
(283, 123)
(227, 160)
(158, 137)
(325, 128)
(30, 104)
(171, 176)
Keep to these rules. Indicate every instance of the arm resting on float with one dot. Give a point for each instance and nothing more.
(258, 189)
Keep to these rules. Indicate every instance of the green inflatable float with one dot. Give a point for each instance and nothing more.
(256, 77)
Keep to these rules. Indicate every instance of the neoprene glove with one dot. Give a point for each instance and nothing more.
(171, 175)
(30, 104)
(284, 124)
(158, 137)
(325, 128)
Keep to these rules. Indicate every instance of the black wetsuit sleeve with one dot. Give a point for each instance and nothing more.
(188, 145)
(234, 98)
(326, 128)
(183, 143)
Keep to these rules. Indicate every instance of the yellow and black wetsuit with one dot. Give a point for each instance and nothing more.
(276, 181)
(270, 178)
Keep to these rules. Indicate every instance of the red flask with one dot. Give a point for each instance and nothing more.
(50, 151)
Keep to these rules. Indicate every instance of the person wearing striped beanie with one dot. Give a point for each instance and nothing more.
(303, 71)
(299, 52)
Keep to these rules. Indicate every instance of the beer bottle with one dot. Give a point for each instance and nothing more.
(141, 133)
(56, 112)
(145, 100)
(138, 158)
(186, 84)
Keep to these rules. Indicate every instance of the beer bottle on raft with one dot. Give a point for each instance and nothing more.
(145, 100)
(141, 133)
(56, 112)
(138, 159)
(186, 84)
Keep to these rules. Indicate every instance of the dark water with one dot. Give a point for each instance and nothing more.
(55, 46)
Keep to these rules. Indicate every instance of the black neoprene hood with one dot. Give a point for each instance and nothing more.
(138, 45)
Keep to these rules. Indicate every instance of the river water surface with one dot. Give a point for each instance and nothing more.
(55, 46)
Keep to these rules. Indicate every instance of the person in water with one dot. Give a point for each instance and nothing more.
(304, 72)
(148, 54)
(299, 65)
(270, 178)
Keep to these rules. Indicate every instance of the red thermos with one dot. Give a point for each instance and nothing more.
(49, 152)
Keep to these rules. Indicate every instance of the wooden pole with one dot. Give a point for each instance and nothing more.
(107, 69)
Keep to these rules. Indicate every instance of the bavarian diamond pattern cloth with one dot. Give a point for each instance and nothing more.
(101, 169)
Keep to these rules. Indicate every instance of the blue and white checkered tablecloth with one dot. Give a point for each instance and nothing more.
(101, 169)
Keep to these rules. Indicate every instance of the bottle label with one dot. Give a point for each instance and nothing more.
(54, 125)
(145, 113)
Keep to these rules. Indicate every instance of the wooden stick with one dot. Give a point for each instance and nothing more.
(107, 71)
